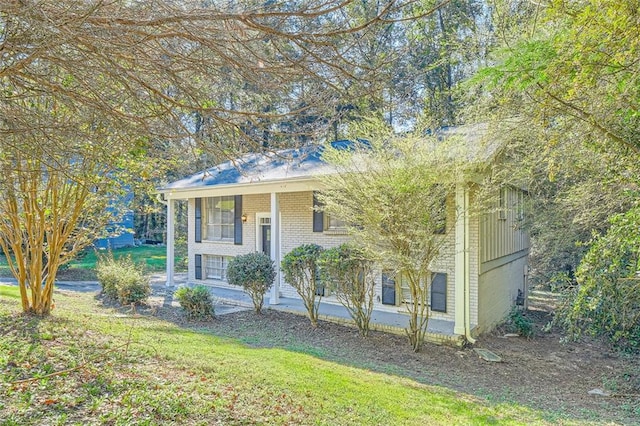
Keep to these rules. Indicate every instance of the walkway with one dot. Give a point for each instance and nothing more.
(439, 331)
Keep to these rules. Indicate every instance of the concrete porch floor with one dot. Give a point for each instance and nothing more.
(439, 331)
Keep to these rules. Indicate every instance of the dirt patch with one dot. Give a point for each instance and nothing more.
(541, 372)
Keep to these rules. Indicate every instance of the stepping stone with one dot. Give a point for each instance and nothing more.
(598, 392)
(487, 355)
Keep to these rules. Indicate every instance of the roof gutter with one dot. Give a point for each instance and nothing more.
(257, 187)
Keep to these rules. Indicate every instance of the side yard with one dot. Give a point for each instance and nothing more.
(541, 373)
(83, 267)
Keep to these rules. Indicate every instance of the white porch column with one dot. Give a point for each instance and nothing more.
(275, 246)
(460, 260)
(170, 240)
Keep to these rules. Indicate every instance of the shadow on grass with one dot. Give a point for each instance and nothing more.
(453, 368)
(446, 367)
(25, 340)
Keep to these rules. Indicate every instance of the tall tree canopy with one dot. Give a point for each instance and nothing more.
(236, 64)
(565, 91)
(576, 62)
(97, 94)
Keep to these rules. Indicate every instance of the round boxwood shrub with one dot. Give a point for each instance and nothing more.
(255, 273)
(197, 302)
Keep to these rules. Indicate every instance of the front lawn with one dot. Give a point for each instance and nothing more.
(125, 368)
(83, 267)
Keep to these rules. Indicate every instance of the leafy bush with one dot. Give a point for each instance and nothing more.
(347, 270)
(518, 323)
(196, 302)
(133, 287)
(561, 282)
(300, 269)
(108, 272)
(122, 279)
(255, 273)
(606, 301)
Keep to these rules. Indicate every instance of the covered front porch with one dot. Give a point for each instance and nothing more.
(297, 221)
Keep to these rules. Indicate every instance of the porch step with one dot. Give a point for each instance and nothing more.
(543, 300)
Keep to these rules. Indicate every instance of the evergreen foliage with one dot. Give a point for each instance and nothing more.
(300, 269)
(255, 273)
(606, 301)
(348, 272)
(196, 302)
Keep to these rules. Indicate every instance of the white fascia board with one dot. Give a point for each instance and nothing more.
(285, 185)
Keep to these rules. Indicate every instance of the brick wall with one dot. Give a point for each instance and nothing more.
(296, 209)
(251, 204)
(297, 228)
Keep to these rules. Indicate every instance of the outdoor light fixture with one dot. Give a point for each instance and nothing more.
(244, 218)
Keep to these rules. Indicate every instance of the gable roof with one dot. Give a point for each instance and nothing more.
(298, 163)
(304, 163)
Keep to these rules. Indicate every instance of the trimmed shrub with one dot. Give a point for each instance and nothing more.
(254, 272)
(122, 280)
(348, 272)
(300, 268)
(197, 302)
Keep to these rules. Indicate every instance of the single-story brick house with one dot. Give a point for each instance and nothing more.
(264, 202)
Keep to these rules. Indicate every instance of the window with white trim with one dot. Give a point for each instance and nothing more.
(218, 223)
(332, 223)
(216, 267)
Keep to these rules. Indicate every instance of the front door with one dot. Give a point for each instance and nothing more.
(265, 230)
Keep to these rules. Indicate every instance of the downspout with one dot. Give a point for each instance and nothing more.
(161, 200)
(467, 278)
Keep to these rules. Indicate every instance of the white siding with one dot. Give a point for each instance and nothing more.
(500, 230)
(503, 256)
(498, 291)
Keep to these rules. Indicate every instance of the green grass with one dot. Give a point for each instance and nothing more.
(154, 257)
(83, 267)
(135, 369)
